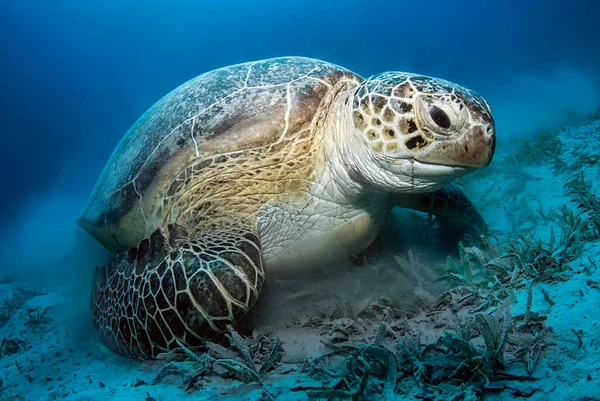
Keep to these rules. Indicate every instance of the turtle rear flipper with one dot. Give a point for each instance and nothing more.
(173, 287)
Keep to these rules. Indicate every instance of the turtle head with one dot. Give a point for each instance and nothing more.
(422, 132)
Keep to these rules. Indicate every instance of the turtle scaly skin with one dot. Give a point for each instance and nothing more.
(260, 167)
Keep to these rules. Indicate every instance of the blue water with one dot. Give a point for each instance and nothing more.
(74, 76)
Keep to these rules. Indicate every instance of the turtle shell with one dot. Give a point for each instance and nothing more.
(227, 110)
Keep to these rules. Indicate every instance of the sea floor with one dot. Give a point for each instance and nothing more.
(513, 315)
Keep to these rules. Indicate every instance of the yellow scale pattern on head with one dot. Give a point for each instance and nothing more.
(388, 120)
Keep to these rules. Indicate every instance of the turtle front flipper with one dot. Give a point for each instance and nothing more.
(174, 286)
(450, 205)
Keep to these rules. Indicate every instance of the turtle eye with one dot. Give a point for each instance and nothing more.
(439, 117)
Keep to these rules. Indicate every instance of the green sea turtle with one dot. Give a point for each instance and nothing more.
(263, 166)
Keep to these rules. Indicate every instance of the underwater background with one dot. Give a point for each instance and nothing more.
(75, 75)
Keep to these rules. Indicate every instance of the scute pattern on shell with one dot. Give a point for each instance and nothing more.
(255, 119)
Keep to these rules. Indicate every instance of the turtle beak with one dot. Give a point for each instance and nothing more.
(475, 149)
